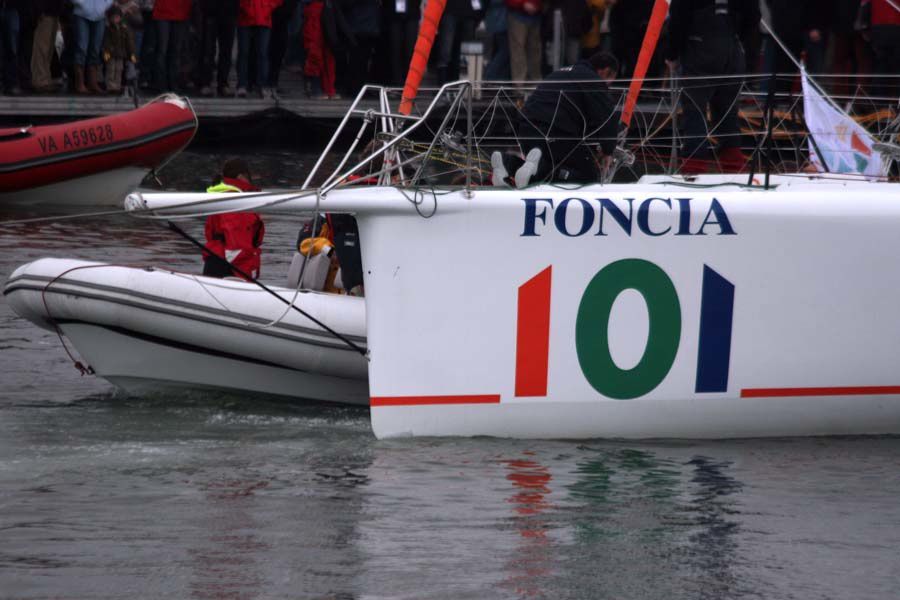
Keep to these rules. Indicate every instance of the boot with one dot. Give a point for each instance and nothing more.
(92, 74)
(79, 80)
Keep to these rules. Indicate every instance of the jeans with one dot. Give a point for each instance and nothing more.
(498, 68)
(89, 40)
(169, 38)
(259, 37)
(9, 43)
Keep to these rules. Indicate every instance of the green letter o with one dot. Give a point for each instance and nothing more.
(592, 328)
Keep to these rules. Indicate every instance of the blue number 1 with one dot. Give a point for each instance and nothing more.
(714, 349)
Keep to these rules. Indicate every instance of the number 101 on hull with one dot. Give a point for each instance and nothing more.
(639, 311)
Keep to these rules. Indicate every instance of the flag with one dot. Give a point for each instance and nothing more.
(844, 145)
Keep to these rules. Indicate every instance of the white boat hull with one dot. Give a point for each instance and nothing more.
(152, 330)
(102, 189)
(662, 309)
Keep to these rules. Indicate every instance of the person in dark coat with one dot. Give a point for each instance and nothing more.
(577, 20)
(848, 50)
(401, 24)
(802, 25)
(627, 24)
(218, 28)
(707, 39)
(363, 19)
(457, 25)
(171, 18)
(9, 44)
(278, 45)
(569, 110)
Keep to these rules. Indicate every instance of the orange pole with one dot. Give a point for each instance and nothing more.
(434, 10)
(657, 18)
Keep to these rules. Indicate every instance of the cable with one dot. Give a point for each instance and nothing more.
(172, 226)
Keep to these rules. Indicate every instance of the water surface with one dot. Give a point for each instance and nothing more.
(215, 496)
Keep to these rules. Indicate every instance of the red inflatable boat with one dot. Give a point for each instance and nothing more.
(92, 162)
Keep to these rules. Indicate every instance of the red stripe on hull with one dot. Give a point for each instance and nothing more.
(533, 336)
(874, 390)
(433, 400)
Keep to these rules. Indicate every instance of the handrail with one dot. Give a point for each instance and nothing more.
(336, 181)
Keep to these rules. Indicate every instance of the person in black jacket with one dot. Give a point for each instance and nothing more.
(707, 40)
(278, 45)
(568, 111)
(401, 18)
(218, 27)
(9, 44)
(457, 26)
(803, 26)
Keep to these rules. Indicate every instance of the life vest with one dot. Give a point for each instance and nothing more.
(236, 237)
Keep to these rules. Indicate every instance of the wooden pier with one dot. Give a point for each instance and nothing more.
(70, 107)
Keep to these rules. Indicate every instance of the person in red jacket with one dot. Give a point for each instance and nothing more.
(320, 62)
(255, 28)
(170, 18)
(234, 238)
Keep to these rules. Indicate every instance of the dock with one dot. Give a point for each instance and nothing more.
(66, 107)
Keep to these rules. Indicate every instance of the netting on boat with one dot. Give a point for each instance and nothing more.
(452, 133)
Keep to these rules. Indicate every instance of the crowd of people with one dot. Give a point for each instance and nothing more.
(239, 47)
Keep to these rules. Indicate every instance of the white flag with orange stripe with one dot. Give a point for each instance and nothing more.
(842, 143)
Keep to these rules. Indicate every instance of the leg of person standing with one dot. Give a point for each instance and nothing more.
(147, 50)
(179, 30)
(243, 58)
(208, 37)
(82, 40)
(163, 36)
(695, 147)
(533, 51)
(9, 22)
(517, 32)
(225, 37)
(360, 60)
(447, 37)
(278, 43)
(114, 69)
(329, 72)
(42, 52)
(96, 30)
(262, 37)
(498, 67)
(27, 23)
(723, 107)
(886, 46)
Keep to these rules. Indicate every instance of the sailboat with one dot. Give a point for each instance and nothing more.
(668, 306)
